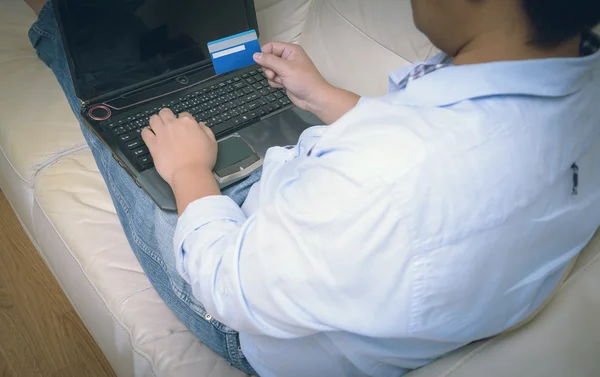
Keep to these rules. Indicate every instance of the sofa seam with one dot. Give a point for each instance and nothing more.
(44, 165)
(133, 346)
(58, 157)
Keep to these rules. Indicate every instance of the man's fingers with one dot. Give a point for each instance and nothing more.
(208, 131)
(275, 84)
(167, 115)
(269, 73)
(185, 114)
(156, 123)
(149, 138)
(276, 48)
(272, 62)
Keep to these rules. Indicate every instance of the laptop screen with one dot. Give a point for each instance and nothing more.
(113, 44)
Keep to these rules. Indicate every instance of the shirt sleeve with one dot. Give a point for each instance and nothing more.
(288, 270)
(321, 253)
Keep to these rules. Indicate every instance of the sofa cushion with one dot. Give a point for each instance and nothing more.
(72, 197)
(43, 129)
(281, 20)
(355, 43)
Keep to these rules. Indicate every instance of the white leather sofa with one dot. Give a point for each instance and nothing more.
(52, 182)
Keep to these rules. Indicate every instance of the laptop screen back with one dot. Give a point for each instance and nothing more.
(113, 44)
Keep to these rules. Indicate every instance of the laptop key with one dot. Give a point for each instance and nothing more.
(145, 160)
(223, 127)
(135, 143)
(127, 137)
(120, 130)
(238, 121)
(265, 110)
(140, 151)
(250, 116)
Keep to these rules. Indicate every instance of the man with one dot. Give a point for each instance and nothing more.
(442, 213)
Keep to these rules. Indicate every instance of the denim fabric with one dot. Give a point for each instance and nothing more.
(148, 229)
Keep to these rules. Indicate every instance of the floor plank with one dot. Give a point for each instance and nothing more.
(40, 333)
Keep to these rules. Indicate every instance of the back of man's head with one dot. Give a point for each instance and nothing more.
(555, 21)
(512, 26)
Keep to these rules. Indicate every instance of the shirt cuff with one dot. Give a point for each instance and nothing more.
(363, 100)
(199, 214)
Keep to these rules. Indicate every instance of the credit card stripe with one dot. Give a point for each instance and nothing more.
(230, 51)
(232, 42)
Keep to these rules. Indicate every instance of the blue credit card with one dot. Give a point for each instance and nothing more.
(235, 52)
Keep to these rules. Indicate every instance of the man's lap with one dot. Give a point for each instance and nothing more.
(148, 229)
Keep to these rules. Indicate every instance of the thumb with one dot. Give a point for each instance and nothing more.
(273, 62)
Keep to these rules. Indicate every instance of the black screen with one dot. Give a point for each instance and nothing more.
(117, 43)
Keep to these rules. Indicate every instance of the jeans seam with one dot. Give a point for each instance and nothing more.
(41, 32)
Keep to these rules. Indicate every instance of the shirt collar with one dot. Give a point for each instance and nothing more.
(555, 77)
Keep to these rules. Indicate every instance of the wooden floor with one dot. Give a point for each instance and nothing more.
(40, 333)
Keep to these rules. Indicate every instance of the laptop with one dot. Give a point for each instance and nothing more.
(128, 59)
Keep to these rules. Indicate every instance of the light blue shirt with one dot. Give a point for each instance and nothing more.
(417, 223)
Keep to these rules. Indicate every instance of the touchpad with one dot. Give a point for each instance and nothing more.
(234, 156)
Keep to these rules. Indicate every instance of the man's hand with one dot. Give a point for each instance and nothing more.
(288, 66)
(184, 153)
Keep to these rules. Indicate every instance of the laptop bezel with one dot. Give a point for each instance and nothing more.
(207, 64)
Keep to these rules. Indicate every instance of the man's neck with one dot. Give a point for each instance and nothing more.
(495, 47)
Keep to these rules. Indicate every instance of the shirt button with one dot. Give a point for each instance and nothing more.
(207, 317)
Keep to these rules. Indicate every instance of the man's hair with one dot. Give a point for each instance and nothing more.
(556, 21)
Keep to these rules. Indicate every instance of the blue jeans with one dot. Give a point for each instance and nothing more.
(148, 228)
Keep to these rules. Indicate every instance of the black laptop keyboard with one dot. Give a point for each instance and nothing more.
(225, 107)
